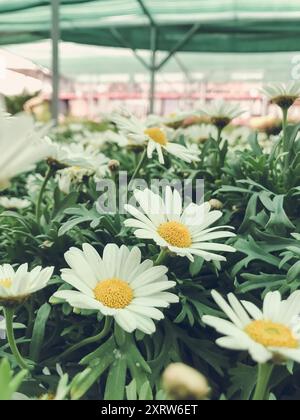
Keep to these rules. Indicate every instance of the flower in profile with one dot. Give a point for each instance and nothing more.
(185, 232)
(21, 145)
(199, 133)
(99, 140)
(119, 285)
(75, 155)
(17, 286)
(157, 138)
(270, 125)
(221, 113)
(271, 333)
(11, 203)
(74, 162)
(182, 382)
(176, 120)
(283, 95)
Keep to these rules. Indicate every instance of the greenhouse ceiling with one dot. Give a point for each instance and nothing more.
(77, 60)
(186, 25)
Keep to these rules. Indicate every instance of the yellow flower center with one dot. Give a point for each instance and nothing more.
(6, 283)
(114, 293)
(176, 234)
(271, 334)
(156, 134)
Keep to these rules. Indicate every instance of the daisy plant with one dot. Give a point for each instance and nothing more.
(184, 232)
(71, 162)
(16, 286)
(118, 285)
(221, 114)
(154, 138)
(269, 335)
(283, 95)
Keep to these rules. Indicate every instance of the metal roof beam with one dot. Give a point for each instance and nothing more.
(118, 37)
(180, 44)
(183, 69)
(147, 12)
(55, 35)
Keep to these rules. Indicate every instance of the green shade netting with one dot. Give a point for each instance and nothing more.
(224, 25)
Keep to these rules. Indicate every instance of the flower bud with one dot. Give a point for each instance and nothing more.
(113, 165)
(182, 382)
(216, 204)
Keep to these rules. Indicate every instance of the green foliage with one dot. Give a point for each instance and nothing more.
(261, 200)
(9, 383)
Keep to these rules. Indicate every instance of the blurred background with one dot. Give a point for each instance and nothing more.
(95, 80)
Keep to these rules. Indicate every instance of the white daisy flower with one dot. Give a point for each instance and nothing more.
(157, 139)
(221, 113)
(74, 162)
(185, 232)
(12, 203)
(97, 140)
(77, 155)
(173, 120)
(271, 333)
(118, 285)
(198, 133)
(283, 95)
(17, 286)
(21, 146)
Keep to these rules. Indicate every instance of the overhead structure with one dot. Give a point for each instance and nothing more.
(168, 25)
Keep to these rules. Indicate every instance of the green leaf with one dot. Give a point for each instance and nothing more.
(131, 391)
(196, 266)
(294, 271)
(278, 218)
(250, 212)
(9, 384)
(145, 392)
(115, 385)
(253, 141)
(86, 379)
(70, 224)
(243, 379)
(39, 331)
(108, 347)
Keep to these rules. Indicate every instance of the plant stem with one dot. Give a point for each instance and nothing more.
(162, 256)
(9, 315)
(285, 138)
(140, 164)
(40, 198)
(89, 340)
(264, 375)
(219, 138)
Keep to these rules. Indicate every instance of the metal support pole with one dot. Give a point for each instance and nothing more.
(55, 35)
(153, 69)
